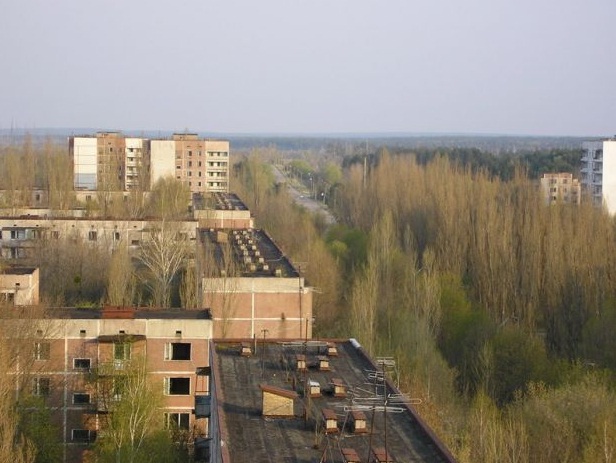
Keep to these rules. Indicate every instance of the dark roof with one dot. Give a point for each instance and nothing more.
(227, 202)
(153, 314)
(17, 270)
(279, 391)
(270, 258)
(247, 436)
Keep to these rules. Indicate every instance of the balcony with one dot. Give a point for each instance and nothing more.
(203, 406)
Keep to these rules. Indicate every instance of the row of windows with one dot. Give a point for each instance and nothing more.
(189, 153)
(121, 351)
(41, 387)
(171, 421)
(24, 234)
(92, 236)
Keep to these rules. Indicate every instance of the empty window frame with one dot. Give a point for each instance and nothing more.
(177, 421)
(7, 297)
(177, 386)
(177, 351)
(121, 351)
(118, 387)
(81, 364)
(42, 350)
(81, 398)
(18, 234)
(83, 435)
(92, 235)
(41, 386)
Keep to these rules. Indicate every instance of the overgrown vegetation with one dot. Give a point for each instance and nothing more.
(497, 307)
(499, 310)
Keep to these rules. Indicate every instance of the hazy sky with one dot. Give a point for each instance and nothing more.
(540, 67)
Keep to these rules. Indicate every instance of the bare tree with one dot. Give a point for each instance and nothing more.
(121, 283)
(14, 447)
(169, 199)
(22, 337)
(220, 284)
(163, 253)
(132, 429)
(58, 177)
(189, 288)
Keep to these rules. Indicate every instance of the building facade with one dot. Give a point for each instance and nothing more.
(598, 173)
(201, 164)
(251, 287)
(19, 286)
(560, 188)
(109, 161)
(20, 237)
(81, 352)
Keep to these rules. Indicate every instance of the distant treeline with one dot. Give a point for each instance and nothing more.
(341, 144)
(503, 166)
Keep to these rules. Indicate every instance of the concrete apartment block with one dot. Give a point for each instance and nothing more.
(78, 345)
(19, 286)
(112, 162)
(20, 236)
(560, 187)
(598, 173)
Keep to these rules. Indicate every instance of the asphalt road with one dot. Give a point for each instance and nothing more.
(303, 199)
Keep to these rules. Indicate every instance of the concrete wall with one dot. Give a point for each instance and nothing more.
(24, 286)
(162, 159)
(107, 234)
(84, 155)
(71, 339)
(225, 219)
(243, 307)
(609, 175)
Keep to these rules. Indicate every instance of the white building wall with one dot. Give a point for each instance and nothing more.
(162, 159)
(85, 162)
(609, 175)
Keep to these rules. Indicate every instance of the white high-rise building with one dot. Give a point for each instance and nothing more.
(110, 161)
(598, 173)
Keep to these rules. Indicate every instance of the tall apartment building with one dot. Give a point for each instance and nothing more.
(560, 187)
(598, 171)
(201, 164)
(98, 161)
(111, 161)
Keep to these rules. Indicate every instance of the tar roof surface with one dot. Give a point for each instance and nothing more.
(271, 254)
(250, 437)
(150, 314)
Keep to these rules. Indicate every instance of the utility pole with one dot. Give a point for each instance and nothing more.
(264, 331)
(301, 313)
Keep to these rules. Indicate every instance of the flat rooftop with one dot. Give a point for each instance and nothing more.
(130, 313)
(228, 202)
(17, 270)
(303, 437)
(253, 252)
(219, 201)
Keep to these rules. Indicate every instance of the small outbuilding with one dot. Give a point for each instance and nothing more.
(277, 402)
